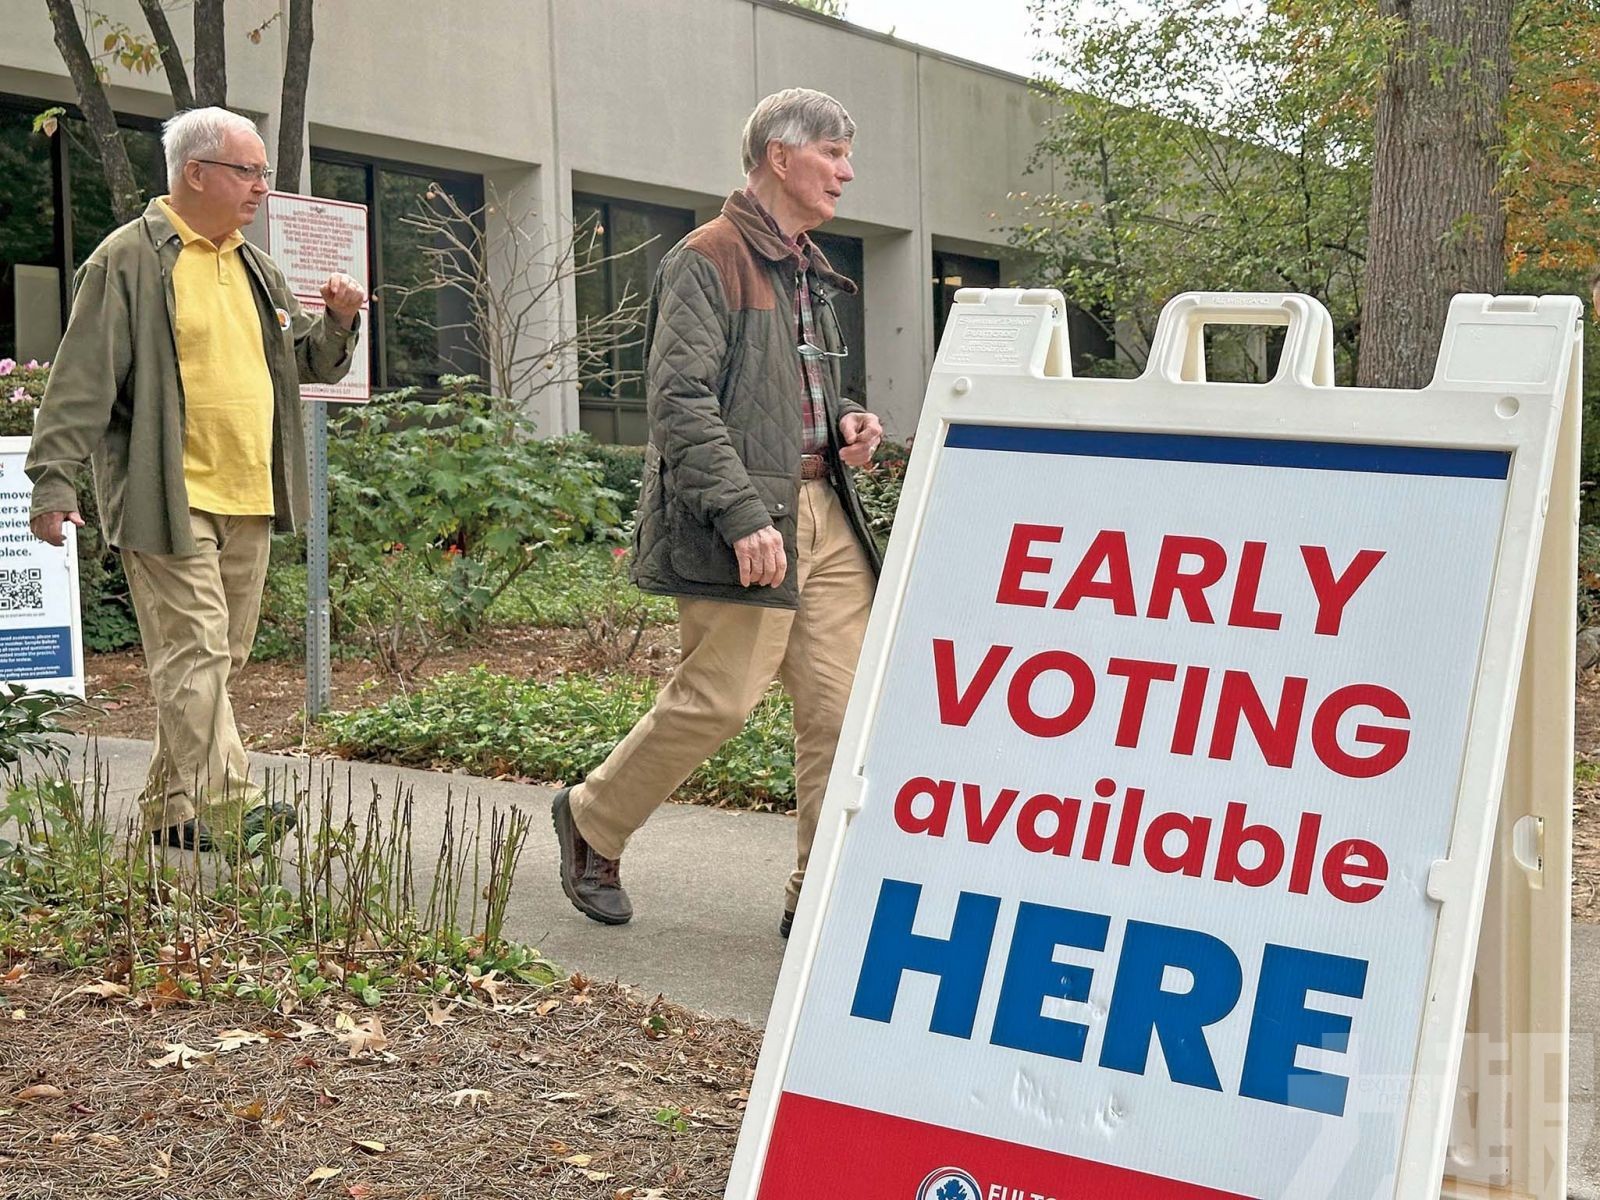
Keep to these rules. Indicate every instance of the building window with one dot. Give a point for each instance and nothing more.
(55, 209)
(951, 273)
(626, 241)
(418, 337)
(845, 256)
(1089, 335)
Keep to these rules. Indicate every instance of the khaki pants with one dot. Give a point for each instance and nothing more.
(730, 654)
(197, 618)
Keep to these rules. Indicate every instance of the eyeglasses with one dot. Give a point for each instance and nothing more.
(244, 170)
(812, 352)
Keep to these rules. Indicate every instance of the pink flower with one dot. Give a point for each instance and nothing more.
(7, 365)
(619, 552)
(18, 396)
(33, 365)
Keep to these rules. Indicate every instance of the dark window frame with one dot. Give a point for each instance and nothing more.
(61, 160)
(370, 165)
(614, 403)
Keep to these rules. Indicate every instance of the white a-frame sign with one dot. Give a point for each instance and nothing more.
(1156, 849)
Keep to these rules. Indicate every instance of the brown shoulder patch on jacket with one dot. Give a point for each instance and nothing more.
(746, 283)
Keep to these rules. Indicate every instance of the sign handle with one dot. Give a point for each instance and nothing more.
(1177, 352)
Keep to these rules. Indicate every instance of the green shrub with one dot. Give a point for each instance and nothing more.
(567, 585)
(622, 470)
(461, 484)
(559, 731)
(879, 488)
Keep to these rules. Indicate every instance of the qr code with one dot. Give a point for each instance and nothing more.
(22, 590)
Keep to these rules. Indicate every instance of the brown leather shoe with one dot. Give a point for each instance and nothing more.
(591, 881)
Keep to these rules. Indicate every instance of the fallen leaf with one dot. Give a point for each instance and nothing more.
(366, 1038)
(18, 1014)
(162, 1167)
(470, 1096)
(322, 1174)
(358, 1190)
(40, 1091)
(578, 1160)
(598, 1176)
(561, 1097)
(548, 1007)
(105, 989)
(63, 1138)
(253, 1111)
(16, 974)
(107, 1140)
(305, 1029)
(232, 1039)
(488, 985)
(181, 1056)
(370, 1147)
(437, 1015)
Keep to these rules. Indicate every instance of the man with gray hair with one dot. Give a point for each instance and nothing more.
(748, 514)
(178, 378)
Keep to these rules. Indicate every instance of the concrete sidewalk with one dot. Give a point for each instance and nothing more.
(707, 887)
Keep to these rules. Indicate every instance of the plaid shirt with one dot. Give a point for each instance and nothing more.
(813, 407)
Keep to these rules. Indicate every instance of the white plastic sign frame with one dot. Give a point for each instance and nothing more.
(49, 633)
(1001, 375)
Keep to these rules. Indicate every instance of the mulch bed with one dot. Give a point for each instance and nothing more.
(585, 1090)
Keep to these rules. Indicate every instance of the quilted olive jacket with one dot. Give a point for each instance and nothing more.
(724, 394)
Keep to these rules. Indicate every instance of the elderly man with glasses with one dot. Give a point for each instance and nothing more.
(748, 514)
(178, 378)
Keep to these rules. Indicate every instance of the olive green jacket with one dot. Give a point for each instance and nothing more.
(724, 396)
(115, 396)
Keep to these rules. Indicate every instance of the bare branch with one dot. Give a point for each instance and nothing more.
(171, 58)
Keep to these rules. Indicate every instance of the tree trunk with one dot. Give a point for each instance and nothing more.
(126, 201)
(171, 57)
(1437, 225)
(210, 55)
(292, 112)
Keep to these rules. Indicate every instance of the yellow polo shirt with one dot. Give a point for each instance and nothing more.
(227, 389)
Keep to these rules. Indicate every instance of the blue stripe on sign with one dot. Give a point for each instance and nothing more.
(1250, 452)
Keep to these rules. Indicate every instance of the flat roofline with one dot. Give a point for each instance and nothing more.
(785, 6)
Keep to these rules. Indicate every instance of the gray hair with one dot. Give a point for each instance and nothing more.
(199, 133)
(795, 117)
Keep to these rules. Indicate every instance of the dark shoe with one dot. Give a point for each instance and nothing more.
(591, 881)
(785, 925)
(273, 820)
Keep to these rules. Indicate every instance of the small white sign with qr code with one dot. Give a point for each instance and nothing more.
(41, 629)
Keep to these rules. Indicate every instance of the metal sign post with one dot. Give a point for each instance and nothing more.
(319, 656)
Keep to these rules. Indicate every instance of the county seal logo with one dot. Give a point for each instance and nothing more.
(948, 1183)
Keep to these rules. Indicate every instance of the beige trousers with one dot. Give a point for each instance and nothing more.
(730, 654)
(197, 618)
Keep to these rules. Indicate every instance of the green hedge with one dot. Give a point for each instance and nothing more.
(558, 731)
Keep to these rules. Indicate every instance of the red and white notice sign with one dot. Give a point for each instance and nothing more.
(1165, 760)
(311, 238)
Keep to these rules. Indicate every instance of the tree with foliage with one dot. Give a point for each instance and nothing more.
(145, 51)
(1200, 144)
(828, 8)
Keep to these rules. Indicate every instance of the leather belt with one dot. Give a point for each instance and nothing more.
(813, 466)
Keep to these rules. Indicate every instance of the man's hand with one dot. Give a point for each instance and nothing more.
(860, 434)
(762, 561)
(344, 299)
(47, 526)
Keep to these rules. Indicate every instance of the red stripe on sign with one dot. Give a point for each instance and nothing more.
(820, 1148)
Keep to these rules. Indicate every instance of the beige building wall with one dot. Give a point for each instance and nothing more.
(641, 100)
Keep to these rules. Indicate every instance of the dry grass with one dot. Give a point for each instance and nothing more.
(579, 1091)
